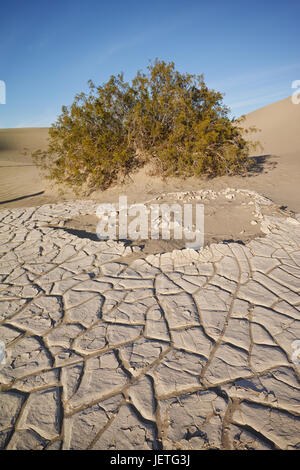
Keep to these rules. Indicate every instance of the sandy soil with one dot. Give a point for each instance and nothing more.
(229, 215)
(179, 351)
(20, 182)
(104, 341)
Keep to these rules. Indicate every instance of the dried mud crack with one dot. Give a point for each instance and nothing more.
(110, 347)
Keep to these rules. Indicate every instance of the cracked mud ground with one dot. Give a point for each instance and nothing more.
(181, 350)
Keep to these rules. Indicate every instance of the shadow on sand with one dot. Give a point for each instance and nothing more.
(21, 197)
(80, 233)
(261, 164)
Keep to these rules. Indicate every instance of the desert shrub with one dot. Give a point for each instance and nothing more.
(164, 117)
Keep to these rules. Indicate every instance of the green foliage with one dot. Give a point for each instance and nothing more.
(166, 118)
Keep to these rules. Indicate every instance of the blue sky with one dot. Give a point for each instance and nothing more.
(248, 50)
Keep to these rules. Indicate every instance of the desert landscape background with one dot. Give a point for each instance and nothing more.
(172, 322)
(276, 173)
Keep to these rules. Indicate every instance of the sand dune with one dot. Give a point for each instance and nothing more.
(280, 127)
(277, 172)
(13, 142)
(280, 165)
(18, 175)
